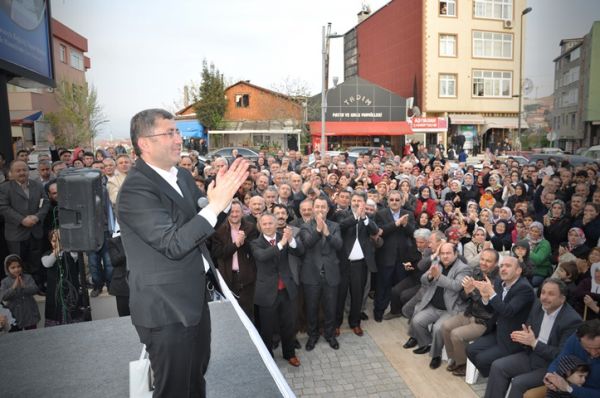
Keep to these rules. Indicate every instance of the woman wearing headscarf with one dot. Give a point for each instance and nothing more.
(575, 244)
(506, 215)
(540, 253)
(495, 182)
(501, 237)
(438, 187)
(590, 223)
(411, 201)
(556, 226)
(470, 192)
(424, 202)
(587, 293)
(452, 192)
(519, 195)
(474, 248)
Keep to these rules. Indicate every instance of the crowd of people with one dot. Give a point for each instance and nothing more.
(496, 262)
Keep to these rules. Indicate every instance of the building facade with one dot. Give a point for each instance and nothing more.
(27, 106)
(459, 60)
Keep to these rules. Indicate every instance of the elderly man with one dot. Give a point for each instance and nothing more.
(511, 298)
(441, 300)
(115, 182)
(550, 323)
(257, 208)
(24, 205)
(584, 344)
(477, 318)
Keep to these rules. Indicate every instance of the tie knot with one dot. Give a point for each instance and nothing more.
(272, 242)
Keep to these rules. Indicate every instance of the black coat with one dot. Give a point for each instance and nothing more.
(351, 229)
(398, 242)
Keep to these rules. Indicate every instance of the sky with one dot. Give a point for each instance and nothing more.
(144, 52)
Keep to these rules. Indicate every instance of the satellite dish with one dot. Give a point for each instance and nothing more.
(414, 112)
(527, 86)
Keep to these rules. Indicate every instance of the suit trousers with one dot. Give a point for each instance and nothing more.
(514, 370)
(419, 328)
(179, 357)
(408, 309)
(353, 277)
(458, 331)
(327, 296)
(386, 278)
(30, 251)
(485, 350)
(402, 293)
(281, 318)
(244, 294)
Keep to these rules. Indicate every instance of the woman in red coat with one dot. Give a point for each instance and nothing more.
(425, 202)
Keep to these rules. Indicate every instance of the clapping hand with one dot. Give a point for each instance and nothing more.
(524, 336)
(241, 238)
(225, 185)
(434, 271)
(287, 236)
(467, 284)
(402, 221)
(485, 287)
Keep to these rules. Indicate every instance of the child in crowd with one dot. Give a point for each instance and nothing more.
(17, 290)
(568, 273)
(574, 370)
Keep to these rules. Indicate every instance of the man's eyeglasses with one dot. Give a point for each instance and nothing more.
(170, 133)
(393, 200)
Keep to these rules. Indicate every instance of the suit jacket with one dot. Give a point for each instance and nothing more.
(511, 313)
(398, 242)
(271, 264)
(295, 259)
(15, 206)
(567, 321)
(223, 249)
(452, 285)
(320, 253)
(351, 229)
(164, 241)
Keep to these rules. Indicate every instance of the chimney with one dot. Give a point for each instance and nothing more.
(364, 13)
(186, 96)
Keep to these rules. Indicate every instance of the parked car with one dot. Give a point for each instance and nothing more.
(575, 160)
(226, 153)
(592, 152)
(371, 150)
(522, 160)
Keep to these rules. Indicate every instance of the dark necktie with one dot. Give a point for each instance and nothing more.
(280, 284)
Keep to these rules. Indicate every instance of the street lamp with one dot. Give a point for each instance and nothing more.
(325, 65)
(525, 11)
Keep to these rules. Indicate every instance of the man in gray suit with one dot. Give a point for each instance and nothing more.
(24, 205)
(164, 236)
(320, 273)
(549, 325)
(441, 300)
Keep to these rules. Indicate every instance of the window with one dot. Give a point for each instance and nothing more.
(447, 45)
(493, 9)
(492, 84)
(492, 45)
(63, 54)
(76, 59)
(447, 85)
(242, 100)
(573, 121)
(575, 54)
(448, 8)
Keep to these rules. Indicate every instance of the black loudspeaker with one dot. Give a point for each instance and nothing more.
(80, 207)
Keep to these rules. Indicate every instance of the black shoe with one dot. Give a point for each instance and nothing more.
(410, 343)
(422, 350)
(310, 344)
(364, 316)
(333, 343)
(378, 318)
(95, 292)
(391, 315)
(435, 362)
(371, 294)
(297, 344)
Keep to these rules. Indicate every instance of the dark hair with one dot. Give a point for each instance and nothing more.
(88, 154)
(142, 124)
(570, 268)
(494, 252)
(589, 329)
(20, 151)
(280, 206)
(562, 287)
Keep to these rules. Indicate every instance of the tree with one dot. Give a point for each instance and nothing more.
(79, 116)
(209, 100)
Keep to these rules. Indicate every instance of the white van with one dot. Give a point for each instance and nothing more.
(593, 152)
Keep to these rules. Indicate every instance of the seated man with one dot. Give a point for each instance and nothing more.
(441, 300)
(511, 299)
(477, 319)
(549, 325)
(584, 344)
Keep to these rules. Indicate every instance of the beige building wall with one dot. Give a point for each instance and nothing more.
(464, 63)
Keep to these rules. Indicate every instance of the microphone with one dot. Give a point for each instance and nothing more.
(202, 202)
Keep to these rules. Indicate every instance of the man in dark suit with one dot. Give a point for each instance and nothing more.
(231, 249)
(549, 325)
(356, 258)
(276, 290)
(24, 205)
(511, 298)
(398, 227)
(164, 238)
(320, 273)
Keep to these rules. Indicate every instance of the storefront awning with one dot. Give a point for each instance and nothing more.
(503, 123)
(19, 117)
(361, 129)
(471, 119)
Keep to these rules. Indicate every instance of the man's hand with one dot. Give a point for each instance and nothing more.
(325, 228)
(320, 223)
(555, 382)
(435, 271)
(524, 336)
(467, 284)
(287, 236)
(408, 266)
(29, 221)
(402, 221)
(486, 289)
(241, 238)
(225, 185)
(361, 211)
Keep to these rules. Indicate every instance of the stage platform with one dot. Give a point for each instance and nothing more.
(91, 359)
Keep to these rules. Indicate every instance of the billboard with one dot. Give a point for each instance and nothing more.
(26, 41)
